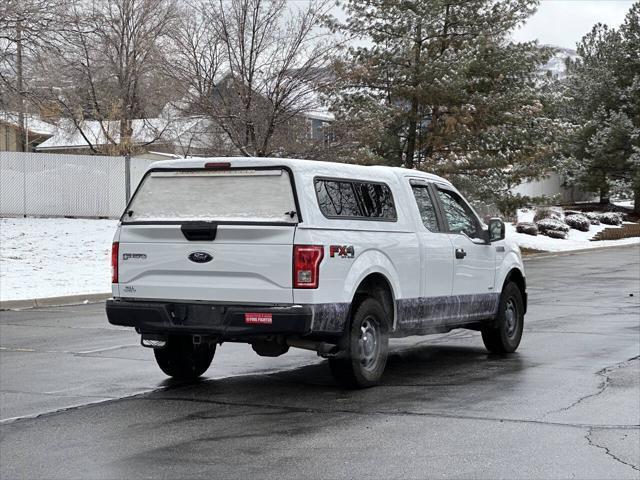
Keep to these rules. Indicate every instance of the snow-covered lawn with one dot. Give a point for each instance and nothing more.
(577, 240)
(47, 257)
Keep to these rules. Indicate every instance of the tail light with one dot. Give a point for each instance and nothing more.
(114, 262)
(306, 265)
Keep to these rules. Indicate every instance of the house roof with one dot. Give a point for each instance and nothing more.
(145, 131)
(33, 123)
(320, 114)
(169, 156)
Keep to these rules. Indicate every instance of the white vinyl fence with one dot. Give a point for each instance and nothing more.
(58, 185)
(54, 185)
(552, 185)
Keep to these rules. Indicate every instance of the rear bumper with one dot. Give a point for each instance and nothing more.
(224, 321)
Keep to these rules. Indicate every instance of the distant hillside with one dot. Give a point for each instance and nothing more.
(557, 65)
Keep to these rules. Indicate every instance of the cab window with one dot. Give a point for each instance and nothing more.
(426, 207)
(458, 214)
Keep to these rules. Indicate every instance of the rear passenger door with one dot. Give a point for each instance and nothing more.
(474, 259)
(436, 251)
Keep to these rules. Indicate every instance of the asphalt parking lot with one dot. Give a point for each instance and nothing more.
(81, 399)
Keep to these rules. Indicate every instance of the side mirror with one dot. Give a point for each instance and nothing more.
(496, 230)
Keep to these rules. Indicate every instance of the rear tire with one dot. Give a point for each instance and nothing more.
(505, 334)
(183, 360)
(366, 346)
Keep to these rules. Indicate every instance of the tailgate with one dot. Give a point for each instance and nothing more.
(247, 264)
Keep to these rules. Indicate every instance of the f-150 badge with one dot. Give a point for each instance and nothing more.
(342, 251)
(134, 256)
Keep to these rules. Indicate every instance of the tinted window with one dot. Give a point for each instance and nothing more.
(377, 201)
(459, 215)
(338, 198)
(426, 208)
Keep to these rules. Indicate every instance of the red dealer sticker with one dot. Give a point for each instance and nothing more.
(258, 318)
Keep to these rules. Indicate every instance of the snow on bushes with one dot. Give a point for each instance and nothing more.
(527, 227)
(548, 212)
(572, 212)
(547, 224)
(578, 222)
(594, 217)
(556, 234)
(553, 228)
(610, 218)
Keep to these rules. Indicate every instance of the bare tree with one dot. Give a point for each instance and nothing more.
(113, 70)
(27, 27)
(253, 67)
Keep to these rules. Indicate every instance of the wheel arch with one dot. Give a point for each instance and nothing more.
(375, 273)
(516, 276)
(376, 285)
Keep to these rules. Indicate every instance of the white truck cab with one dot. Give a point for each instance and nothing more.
(330, 257)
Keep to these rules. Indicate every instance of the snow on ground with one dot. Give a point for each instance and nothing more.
(48, 257)
(624, 203)
(577, 240)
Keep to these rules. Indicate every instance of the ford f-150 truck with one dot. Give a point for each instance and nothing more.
(282, 253)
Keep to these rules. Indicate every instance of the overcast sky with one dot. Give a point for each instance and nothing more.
(564, 22)
(559, 22)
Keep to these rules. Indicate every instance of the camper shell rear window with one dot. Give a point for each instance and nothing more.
(243, 195)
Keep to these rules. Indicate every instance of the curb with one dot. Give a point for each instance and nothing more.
(575, 252)
(54, 301)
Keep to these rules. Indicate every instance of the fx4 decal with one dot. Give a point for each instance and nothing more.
(342, 251)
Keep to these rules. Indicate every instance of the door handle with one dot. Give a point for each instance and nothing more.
(460, 253)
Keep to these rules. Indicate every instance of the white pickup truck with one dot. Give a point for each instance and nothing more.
(330, 257)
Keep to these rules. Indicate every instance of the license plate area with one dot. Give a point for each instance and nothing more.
(196, 315)
(258, 318)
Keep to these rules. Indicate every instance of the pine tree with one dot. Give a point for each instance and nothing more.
(440, 87)
(604, 100)
(610, 146)
(630, 83)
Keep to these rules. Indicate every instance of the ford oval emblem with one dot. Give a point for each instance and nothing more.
(200, 257)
